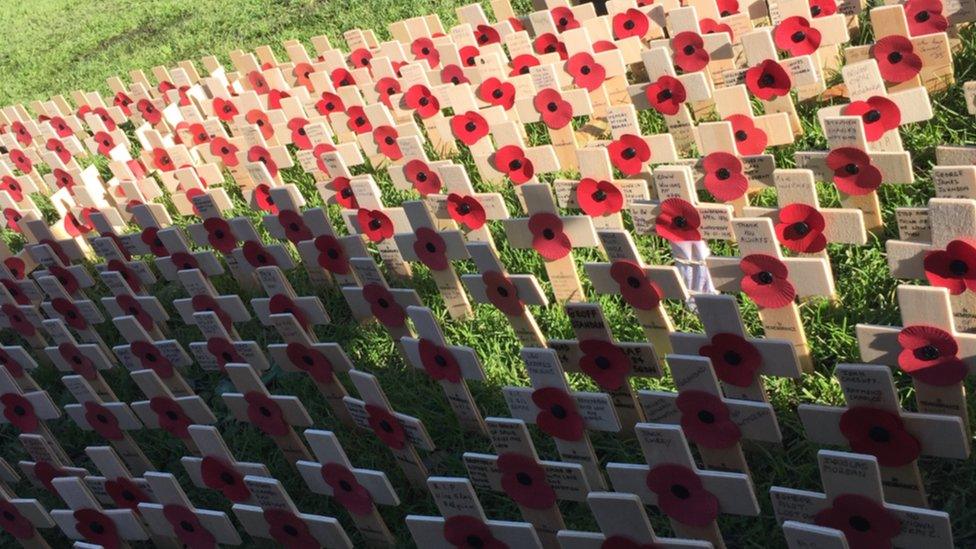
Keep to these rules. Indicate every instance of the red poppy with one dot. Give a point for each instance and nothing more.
(19, 412)
(554, 111)
(484, 35)
(16, 266)
(723, 176)
(130, 306)
(386, 88)
(127, 274)
(558, 416)
(431, 249)
(288, 529)
(880, 115)
(522, 63)
(225, 150)
(162, 161)
(262, 197)
(689, 51)
(21, 161)
(385, 138)
(728, 7)
(18, 322)
(282, 304)
(224, 352)
(468, 532)
(105, 142)
(57, 147)
(384, 306)
(424, 180)
(57, 249)
(681, 495)
(294, 225)
(374, 224)
(125, 493)
(199, 134)
(766, 281)
(822, 8)
(260, 154)
(219, 234)
(257, 255)
(187, 527)
(953, 268)
(502, 293)
(865, 523)
(548, 237)
(800, 228)
(586, 72)
(387, 427)
(149, 111)
(358, 122)
(511, 161)
(70, 313)
(524, 480)
(439, 362)
(311, 361)
(15, 292)
(221, 476)
(629, 153)
(65, 278)
(706, 420)
(329, 103)
(102, 421)
(928, 354)
(225, 109)
(678, 221)
(12, 217)
(205, 303)
(346, 489)
(469, 56)
(736, 361)
(749, 139)
(711, 26)
(598, 198)
(605, 363)
(299, 135)
(925, 17)
(469, 127)
(666, 95)
(260, 119)
(453, 74)
(881, 434)
(13, 522)
(564, 18)
(423, 49)
(332, 256)
(97, 528)
(466, 211)
(360, 58)
(171, 417)
(853, 172)
(629, 23)
(23, 135)
(896, 58)
(636, 289)
(78, 362)
(344, 194)
(341, 77)
(496, 92)
(796, 36)
(63, 179)
(265, 414)
(768, 80)
(11, 365)
(46, 473)
(422, 101)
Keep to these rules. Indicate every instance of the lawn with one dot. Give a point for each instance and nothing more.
(57, 46)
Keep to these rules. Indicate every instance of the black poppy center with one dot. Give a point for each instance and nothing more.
(741, 135)
(385, 426)
(766, 80)
(430, 247)
(264, 411)
(602, 363)
(894, 57)
(706, 417)
(455, 80)
(680, 492)
(128, 496)
(798, 36)
(629, 153)
(801, 228)
(585, 70)
(872, 115)
(548, 234)
(958, 267)
(375, 224)
(101, 418)
(765, 277)
(815, 10)
(19, 410)
(227, 478)
(633, 282)
(97, 528)
(8, 516)
(423, 101)
(928, 352)
(859, 523)
(345, 485)
(224, 150)
(502, 291)
(171, 415)
(552, 106)
(599, 195)
(463, 208)
(290, 530)
(558, 411)
(382, 302)
(474, 541)
(186, 526)
(723, 174)
(389, 140)
(470, 126)
(664, 95)
(688, 50)
(732, 358)
(629, 24)
(360, 121)
(879, 434)
(497, 94)
(922, 16)
(346, 193)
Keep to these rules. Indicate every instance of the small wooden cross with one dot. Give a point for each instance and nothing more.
(855, 503)
(218, 469)
(685, 28)
(25, 320)
(799, 535)
(513, 159)
(416, 171)
(45, 462)
(174, 517)
(463, 208)
(380, 144)
(464, 520)
(597, 193)
(28, 411)
(230, 308)
(85, 359)
(26, 517)
(114, 484)
(534, 485)
(555, 108)
(166, 357)
(772, 281)
(20, 365)
(401, 433)
(308, 311)
(180, 258)
(377, 300)
(690, 497)
(378, 223)
(796, 31)
(326, 257)
(85, 519)
(427, 100)
(166, 411)
(79, 314)
(873, 422)
(359, 491)
(728, 176)
(584, 65)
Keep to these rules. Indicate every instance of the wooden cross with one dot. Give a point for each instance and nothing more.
(146, 309)
(513, 159)
(427, 100)
(45, 463)
(173, 516)
(597, 193)
(622, 519)
(85, 519)
(555, 108)
(772, 281)
(326, 257)
(553, 237)
(464, 520)
(380, 144)
(470, 123)
(166, 357)
(449, 365)
(795, 28)
(401, 433)
(79, 314)
(120, 271)
(274, 415)
(114, 484)
(230, 309)
(690, 497)
(378, 223)
(685, 28)
(181, 258)
(873, 422)
(28, 411)
(853, 491)
(415, 171)
(559, 412)
(376, 299)
(728, 176)
(534, 485)
(276, 517)
(166, 411)
(753, 133)
(308, 311)
(359, 491)
(799, 534)
(463, 208)
(218, 469)
(53, 245)
(20, 365)
(85, 359)
(716, 424)
(23, 520)
(583, 61)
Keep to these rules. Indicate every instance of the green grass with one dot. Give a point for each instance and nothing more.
(56, 46)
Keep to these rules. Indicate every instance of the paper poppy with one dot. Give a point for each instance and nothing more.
(75, 226)
(925, 17)
(749, 139)
(58, 148)
(423, 49)
(282, 304)
(127, 274)
(219, 234)
(723, 176)
(468, 532)
(149, 111)
(360, 58)
(586, 72)
(466, 210)
(299, 135)
(524, 480)
(554, 111)
(265, 414)
(198, 132)
(130, 306)
(332, 256)
(221, 476)
(502, 293)
(65, 278)
(800, 228)
(795, 36)
(45, 473)
(953, 268)
(386, 88)
(865, 523)
(681, 495)
(469, 55)
(422, 101)
(735, 360)
(16, 266)
(8, 362)
(636, 289)
(424, 180)
(346, 489)
(768, 80)
(822, 8)
(439, 362)
(19, 412)
(548, 237)
(102, 421)
(511, 161)
(522, 63)
(564, 19)
(880, 115)
(187, 528)
(386, 427)
(666, 95)
(257, 255)
(56, 249)
(766, 281)
(629, 23)
(260, 120)
(629, 153)
(453, 74)
(711, 26)
(162, 161)
(689, 51)
(20, 298)
(484, 35)
(225, 150)
(896, 59)
(105, 143)
(260, 154)
(549, 43)
(853, 172)
(288, 529)
(374, 224)
(18, 322)
(13, 522)
(171, 416)
(727, 7)
(294, 226)
(223, 351)
(358, 122)
(310, 361)
(70, 313)
(21, 161)
(496, 92)
(678, 221)
(344, 194)
(706, 420)
(12, 218)
(125, 493)
(77, 361)
(21, 133)
(9, 183)
(607, 364)
(469, 127)
(598, 198)
(384, 306)
(206, 303)
(329, 103)
(928, 354)
(431, 249)
(98, 528)
(341, 77)
(385, 138)
(881, 434)
(558, 416)
(225, 109)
